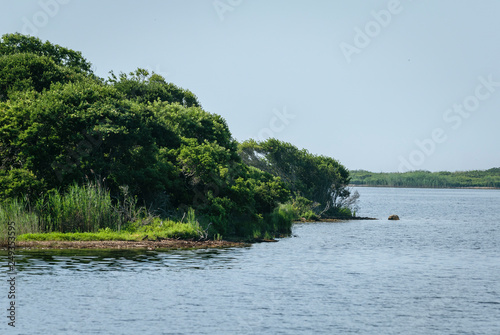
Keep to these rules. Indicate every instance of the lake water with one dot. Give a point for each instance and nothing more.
(436, 271)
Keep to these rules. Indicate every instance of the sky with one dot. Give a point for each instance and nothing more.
(383, 86)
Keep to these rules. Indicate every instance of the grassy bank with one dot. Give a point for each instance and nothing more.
(88, 213)
(159, 229)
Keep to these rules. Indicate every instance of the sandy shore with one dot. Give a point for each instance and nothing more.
(147, 245)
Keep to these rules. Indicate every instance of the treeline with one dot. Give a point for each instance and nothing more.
(443, 179)
(139, 137)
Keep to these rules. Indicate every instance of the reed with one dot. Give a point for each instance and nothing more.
(18, 212)
(86, 208)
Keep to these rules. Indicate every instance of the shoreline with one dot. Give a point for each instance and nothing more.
(163, 244)
(444, 188)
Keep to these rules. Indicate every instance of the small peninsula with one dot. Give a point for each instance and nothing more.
(135, 158)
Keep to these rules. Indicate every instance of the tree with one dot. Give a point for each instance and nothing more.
(318, 178)
(28, 64)
(21, 44)
(142, 86)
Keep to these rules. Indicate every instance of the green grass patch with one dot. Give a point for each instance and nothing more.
(134, 232)
(167, 229)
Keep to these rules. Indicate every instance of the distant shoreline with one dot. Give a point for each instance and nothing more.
(475, 179)
(451, 187)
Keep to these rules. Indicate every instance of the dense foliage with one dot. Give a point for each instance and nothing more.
(487, 178)
(62, 128)
(319, 179)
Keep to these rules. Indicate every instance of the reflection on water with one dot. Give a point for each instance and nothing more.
(40, 262)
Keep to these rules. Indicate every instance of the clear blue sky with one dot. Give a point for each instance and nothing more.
(378, 85)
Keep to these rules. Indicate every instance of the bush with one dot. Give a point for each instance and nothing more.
(340, 213)
(310, 215)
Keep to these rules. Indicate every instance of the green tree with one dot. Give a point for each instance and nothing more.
(318, 178)
(11, 44)
(145, 87)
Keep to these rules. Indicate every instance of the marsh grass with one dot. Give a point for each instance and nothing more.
(18, 212)
(276, 224)
(281, 219)
(87, 213)
(85, 208)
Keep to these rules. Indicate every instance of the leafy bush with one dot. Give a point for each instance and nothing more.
(310, 215)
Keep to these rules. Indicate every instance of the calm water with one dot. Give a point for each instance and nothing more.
(436, 271)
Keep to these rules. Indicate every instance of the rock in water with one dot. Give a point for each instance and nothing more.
(393, 217)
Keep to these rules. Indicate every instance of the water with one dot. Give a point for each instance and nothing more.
(436, 271)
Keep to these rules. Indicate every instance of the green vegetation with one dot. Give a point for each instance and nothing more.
(17, 211)
(133, 153)
(487, 178)
(318, 183)
(157, 229)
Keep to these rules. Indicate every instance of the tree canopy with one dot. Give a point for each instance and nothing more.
(12, 44)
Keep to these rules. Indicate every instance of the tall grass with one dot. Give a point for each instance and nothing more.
(90, 209)
(18, 212)
(275, 224)
(82, 208)
(281, 219)
(86, 208)
(88, 212)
